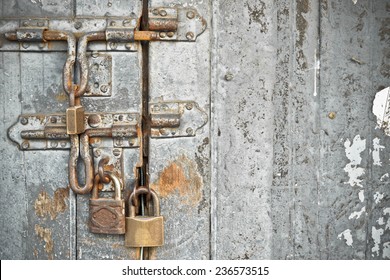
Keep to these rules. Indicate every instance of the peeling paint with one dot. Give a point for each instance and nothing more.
(386, 250)
(376, 236)
(380, 109)
(347, 237)
(354, 1)
(353, 151)
(45, 235)
(378, 197)
(384, 176)
(361, 195)
(357, 214)
(375, 153)
(381, 221)
(45, 206)
(181, 176)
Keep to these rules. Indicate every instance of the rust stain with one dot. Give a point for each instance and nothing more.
(257, 14)
(45, 235)
(182, 178)
(45, 206)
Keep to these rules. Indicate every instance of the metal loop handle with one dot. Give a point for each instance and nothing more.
(133, 200)
(88, 163)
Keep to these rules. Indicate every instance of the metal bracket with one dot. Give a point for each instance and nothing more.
(176, 119)
(176, 24)
(100, 75)
(48, 132)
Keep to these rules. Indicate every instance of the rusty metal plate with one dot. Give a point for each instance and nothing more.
(42, 132)
(176, 119)
(100, 75)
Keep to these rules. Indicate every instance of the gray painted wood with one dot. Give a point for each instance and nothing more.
(289, 166)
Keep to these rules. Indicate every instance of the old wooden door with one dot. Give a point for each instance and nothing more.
(277, 155)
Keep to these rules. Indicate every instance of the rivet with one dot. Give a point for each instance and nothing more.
(53, 119)
(126, 22)
(120, 118)
(228, 76)
(94, 120)
(128, 46)
(170, 34)
(189, 106)
(41, 45)
(104, 88)
(112, 23)
(95, 54)
(155, 12)
(63, 144)
(131, 143)
(116, 152)
(190, 35)
(97, 153)
(54, 144)
(113, 45)
(25, 144)
(190, 131)
(163, 13)
(109, 4)
(173, 132)
(156, 108)
(163, 131)
(40, 23)
(25, 23)
(25, 45)
(162, 34)
(332, 115)
(24, 121)
(190, 14)
(164, 107)
(63, 119)
(78, 25)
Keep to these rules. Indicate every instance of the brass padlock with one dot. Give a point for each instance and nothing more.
(144, 231)
(75, 123)
(107, 215)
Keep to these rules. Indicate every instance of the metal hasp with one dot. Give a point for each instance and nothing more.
(176, 119)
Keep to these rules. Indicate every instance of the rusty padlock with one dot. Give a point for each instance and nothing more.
(144, 231)
(107, 215)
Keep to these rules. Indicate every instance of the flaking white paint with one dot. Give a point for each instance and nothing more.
(386, 250)
(380, 109)
(378, 197)
(381, 221)
(346, 234)
(376, 152)
(353, 151)
(361, 195)
(357, 214)
(384, 176)
(376, 236)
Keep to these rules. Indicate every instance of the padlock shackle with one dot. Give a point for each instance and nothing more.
(142, 190)
(113, 179)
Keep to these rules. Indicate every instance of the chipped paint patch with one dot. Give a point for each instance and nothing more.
(376, 152)
(381, 221)
(380, 109)
(347, 237)
(354, 1)
(378, 197)
(361, 195)
(386, 250)
(45, 235)
(384, 176)
(357, 214)
(376, 236)
(180, 177)
(45, 206)
(353, 151)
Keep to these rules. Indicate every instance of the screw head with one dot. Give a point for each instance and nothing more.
(170, 34)
(190, 14)
(332, 115)
(155, 12)
(78, 25)
(128, 46)
(163, 13)
(104, 88)
(228, 76)
(190, 36)
(126, 22)
(162, 34)
(24, 121)
(190, 131)
(25, 144)
(116, 152)
(53, 119)
(164, 107)
(41, 45)
(163, 131)
(94, 120)
(95, 54)
(189, 106)
(41, 23)
(25, 45)
(25, 23)
(63, 144)
(112, 23)
(113, 45)
(54, 144)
